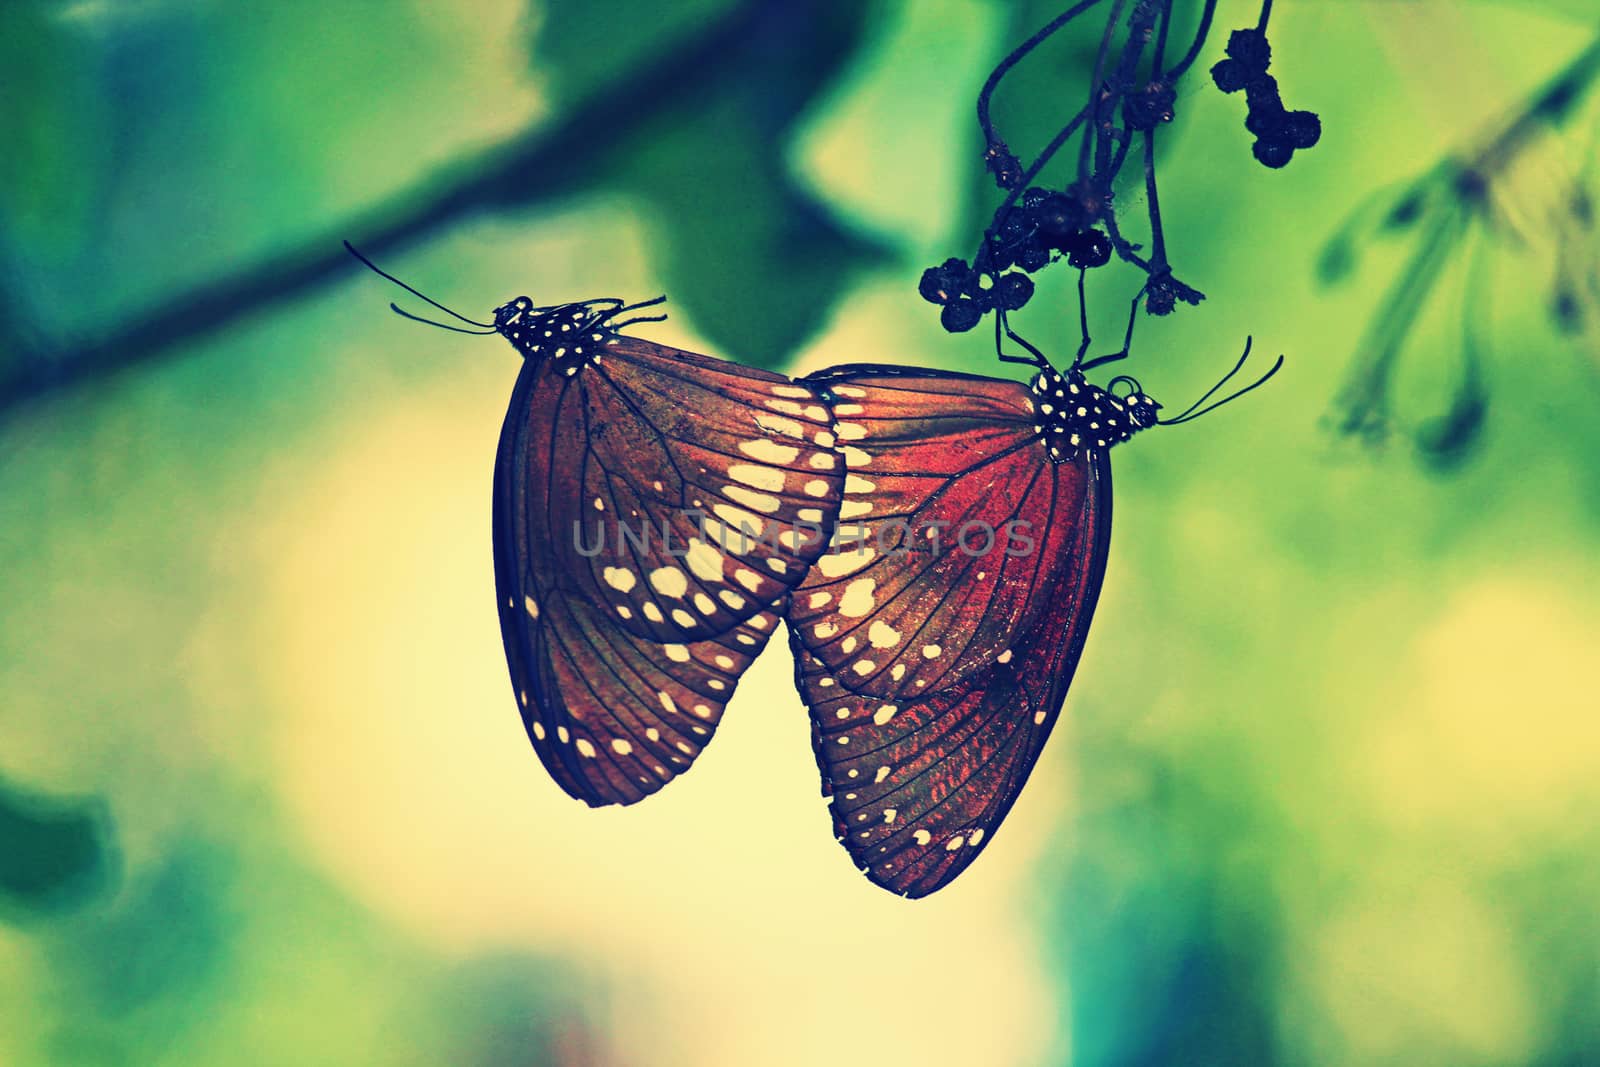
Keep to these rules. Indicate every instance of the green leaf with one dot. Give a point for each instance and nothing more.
(754, 258)
(54, 853)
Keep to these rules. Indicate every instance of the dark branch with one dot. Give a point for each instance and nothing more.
(531, 167)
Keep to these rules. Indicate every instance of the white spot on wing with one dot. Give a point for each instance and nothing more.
(741, 520)
(768, 478)
(779, 424)
(669, 581)
(882, 635)
(769, 451)
(751, 498)
(848, 562)
(857, 599)
(705, 562)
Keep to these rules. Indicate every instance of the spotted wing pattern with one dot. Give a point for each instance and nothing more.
(920, 776)
(684, 493)
(623, 659)
(952, 521)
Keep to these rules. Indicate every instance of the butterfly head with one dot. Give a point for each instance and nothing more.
(1143, 411)
(1075, 416)
(513, 312)
(571, 336)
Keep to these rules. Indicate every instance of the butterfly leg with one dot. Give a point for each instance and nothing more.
(1127, 337)
(620, 308)
(1036, 358)
(1083, 319)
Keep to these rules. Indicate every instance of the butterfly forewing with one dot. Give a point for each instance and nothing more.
(952, 519)
(618, 693)
(919, 786)
(685, 494)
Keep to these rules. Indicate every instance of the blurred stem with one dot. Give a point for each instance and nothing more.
(1092, 108)
(1550, 105)
(1364, 400)
(986, 94)
(532, 167)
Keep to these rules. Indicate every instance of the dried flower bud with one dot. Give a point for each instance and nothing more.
(1005, 166)
(1251, 49)
(961, 315)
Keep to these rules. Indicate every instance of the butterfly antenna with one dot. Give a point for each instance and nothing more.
(1195, 410)
(385, 274)
(638, 318)
(1224, 380)
(652, 302)
(404, 314)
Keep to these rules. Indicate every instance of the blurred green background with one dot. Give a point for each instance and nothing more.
(1326, 788)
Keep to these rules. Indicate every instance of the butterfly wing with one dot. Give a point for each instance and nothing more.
(622, 680)
(970, 649)
(952, 520)
(684, 494)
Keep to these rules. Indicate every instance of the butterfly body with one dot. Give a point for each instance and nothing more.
(1076, 416)
(570, 336)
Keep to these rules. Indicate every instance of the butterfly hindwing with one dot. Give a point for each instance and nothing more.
(919, 787)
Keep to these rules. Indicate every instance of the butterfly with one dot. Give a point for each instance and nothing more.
(935, 641)
(652, 509)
